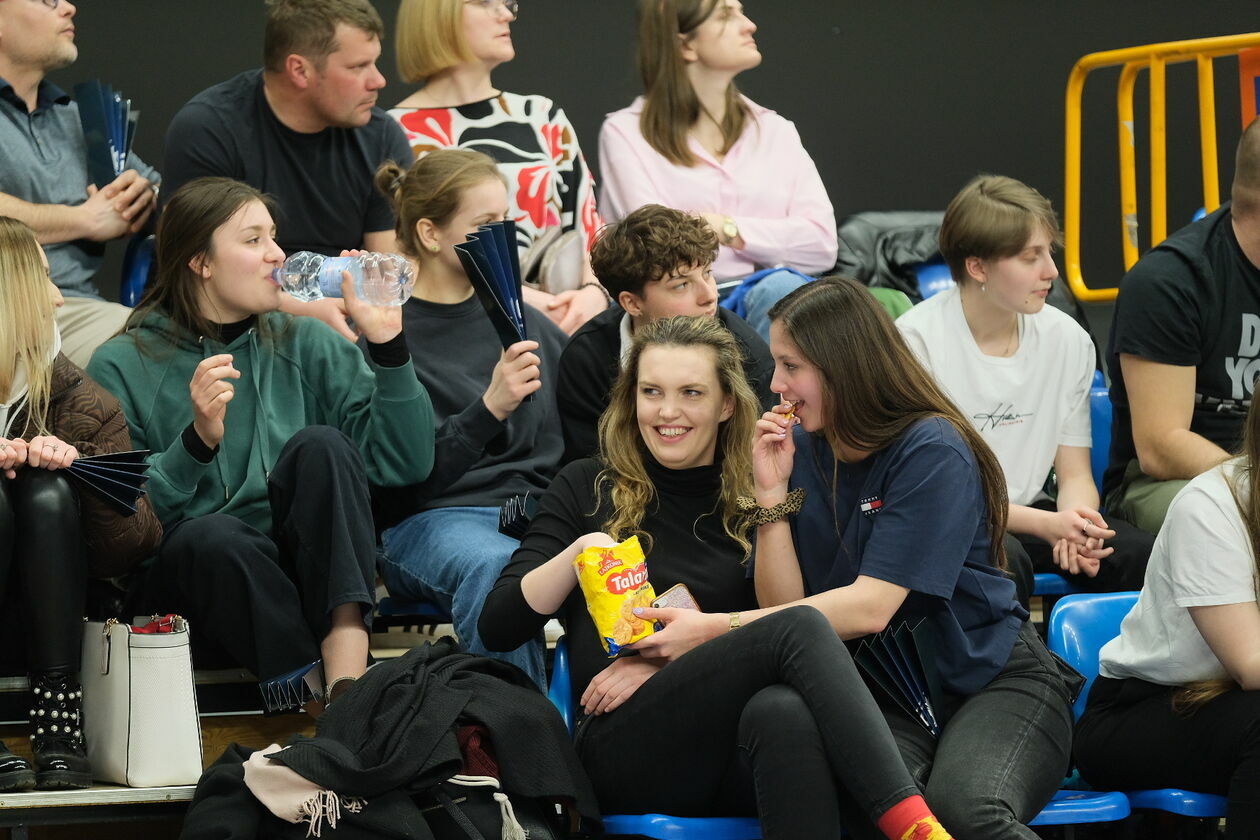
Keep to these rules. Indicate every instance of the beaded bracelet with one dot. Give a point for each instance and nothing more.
(763, 515)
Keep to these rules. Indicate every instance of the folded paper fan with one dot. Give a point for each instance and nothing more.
(117, 477)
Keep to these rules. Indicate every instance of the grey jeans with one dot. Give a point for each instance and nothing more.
(1003, 752)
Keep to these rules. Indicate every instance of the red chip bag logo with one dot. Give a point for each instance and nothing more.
(627, 581)
(607, 561)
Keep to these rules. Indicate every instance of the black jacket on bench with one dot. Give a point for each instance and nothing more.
(392, 735)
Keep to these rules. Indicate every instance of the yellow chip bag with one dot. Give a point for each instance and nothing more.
(615, 581)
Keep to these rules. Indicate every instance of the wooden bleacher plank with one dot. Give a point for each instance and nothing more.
(101, 794)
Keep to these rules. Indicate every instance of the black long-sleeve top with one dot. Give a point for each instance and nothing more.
(688, 546)
(479, 460)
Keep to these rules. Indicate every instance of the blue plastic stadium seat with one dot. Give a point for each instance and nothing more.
(137, 261)
(1079, 626)
(933, 276)
(1052, 585)
(1078, 807)
(560, 692)
(1099, 428)
(661, 827)
(391, 607)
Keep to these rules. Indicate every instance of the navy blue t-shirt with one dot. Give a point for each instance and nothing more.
(912, 514)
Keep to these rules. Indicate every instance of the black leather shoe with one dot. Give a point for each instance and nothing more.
(57, 740)
(15, 771)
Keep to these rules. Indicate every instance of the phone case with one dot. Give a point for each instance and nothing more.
(677, 596)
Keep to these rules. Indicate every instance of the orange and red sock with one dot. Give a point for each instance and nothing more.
(911, 819)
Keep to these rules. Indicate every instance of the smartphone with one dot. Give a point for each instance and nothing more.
(677, 596)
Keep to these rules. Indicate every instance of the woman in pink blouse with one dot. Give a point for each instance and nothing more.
(451, 47)
(693, 142)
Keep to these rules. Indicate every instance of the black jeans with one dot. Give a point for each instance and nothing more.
(265, 600)
(1002, 754)
(42, 553)
(1121, 571)
(771, 719)
(1131, 739)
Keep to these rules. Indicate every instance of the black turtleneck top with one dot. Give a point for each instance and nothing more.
(688, 546)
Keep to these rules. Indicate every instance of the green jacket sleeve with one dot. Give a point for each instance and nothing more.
(385, 411)
(173, 472)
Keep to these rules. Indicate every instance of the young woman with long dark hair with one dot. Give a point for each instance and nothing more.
(692, 141)
(880, 506)
(265, 431)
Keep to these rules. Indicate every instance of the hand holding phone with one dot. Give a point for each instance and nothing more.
(677, 596)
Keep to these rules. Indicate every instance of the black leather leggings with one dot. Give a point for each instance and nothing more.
(43, 566)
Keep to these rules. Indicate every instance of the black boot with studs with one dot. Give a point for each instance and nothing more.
(57, 732)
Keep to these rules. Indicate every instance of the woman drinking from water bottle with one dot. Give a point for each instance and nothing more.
(265, 431)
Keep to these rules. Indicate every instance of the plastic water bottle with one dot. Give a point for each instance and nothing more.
(379, 279)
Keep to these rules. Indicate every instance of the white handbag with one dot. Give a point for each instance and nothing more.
(139, 703)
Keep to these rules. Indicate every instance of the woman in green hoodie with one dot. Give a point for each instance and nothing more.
(265, 430)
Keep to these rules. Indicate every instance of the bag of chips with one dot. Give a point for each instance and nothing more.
(614, 580)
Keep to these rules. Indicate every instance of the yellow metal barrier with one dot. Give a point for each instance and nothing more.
(1153, 58)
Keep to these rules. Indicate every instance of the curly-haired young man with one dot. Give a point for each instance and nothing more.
(655, 263)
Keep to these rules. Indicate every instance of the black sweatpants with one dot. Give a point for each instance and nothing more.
(771, 719)
(1121, 571)
(43, 566)
(1131, 739)
(265, 599)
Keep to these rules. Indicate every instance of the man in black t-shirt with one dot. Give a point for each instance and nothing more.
(655, 263)
(304, 129)
(1185, 351)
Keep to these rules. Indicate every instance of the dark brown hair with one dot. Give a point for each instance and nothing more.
(648, 244)
(185, 231)
(874, 388)
(670, 104)
(309, 28)
(431, 189)
(992, 218)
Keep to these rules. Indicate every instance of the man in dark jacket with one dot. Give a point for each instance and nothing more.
(655, 263)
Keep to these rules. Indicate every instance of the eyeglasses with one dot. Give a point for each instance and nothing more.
(52, 4)
(512, 6)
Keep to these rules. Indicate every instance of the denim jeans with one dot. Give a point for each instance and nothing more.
(768, 292)
(452, 556)
(1001, 756)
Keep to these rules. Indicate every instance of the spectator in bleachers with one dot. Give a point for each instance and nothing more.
(900, 508)
(656, 262)
(265, 430)
(304, 129)
(451, 47)
(693, 142)
(492, 445)
(44, 180)
(1185, 351)
(52, 537)
(1021, 371)
(1176, 701)
(771, 719)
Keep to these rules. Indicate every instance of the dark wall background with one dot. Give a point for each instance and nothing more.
(898, 102)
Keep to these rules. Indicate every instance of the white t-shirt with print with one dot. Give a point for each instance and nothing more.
(1202, 558)
(1025, 406)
